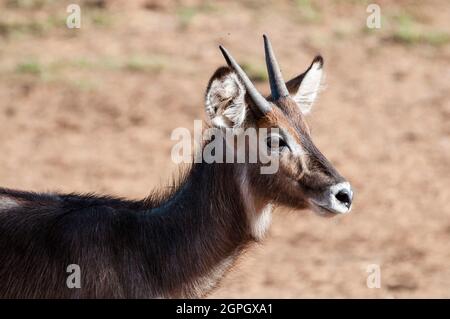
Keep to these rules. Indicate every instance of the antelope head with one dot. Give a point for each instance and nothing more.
(305, 178)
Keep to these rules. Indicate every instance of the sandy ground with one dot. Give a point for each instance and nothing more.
(92, 110)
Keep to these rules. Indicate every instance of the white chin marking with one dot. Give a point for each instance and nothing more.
(261, 222)
(7, 203)
(258, 218)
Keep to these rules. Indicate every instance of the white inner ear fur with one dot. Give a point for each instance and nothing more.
(225, 102)
(309, 88)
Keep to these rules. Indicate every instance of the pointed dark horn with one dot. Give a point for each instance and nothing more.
(277, 85)
(263, 105)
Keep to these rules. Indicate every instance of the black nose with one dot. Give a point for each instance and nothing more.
(345, 197)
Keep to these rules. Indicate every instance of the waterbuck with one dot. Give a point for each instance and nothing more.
(179, 243)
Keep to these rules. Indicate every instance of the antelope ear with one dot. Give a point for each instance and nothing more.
(225, 99)
(305, 87)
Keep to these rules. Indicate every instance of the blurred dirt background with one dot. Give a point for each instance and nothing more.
(92, 110)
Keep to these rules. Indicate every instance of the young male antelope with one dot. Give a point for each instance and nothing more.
(181, 243)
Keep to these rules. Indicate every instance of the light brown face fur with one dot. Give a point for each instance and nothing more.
(305, 178)
(303, 172)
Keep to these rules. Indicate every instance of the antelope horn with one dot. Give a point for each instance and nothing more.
(277, 85)
(259, 100)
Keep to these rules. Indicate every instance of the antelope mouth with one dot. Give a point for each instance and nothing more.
(324, 211)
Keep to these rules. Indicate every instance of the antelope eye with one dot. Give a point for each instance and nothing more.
(275, 142)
